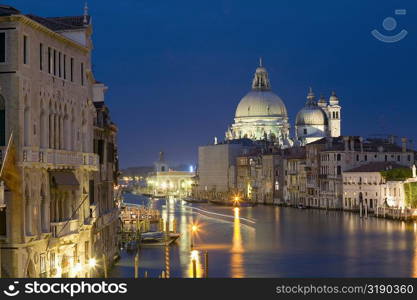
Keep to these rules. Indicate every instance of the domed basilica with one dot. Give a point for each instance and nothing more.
(262, 115)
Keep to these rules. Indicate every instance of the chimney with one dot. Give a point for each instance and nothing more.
(361, 142)
(346, 140)
(404, 144)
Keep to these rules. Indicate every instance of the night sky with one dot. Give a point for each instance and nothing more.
(176, 70)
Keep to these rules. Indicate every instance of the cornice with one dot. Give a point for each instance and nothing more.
(27, 21)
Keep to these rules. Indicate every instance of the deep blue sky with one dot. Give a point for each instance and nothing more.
(177, 69)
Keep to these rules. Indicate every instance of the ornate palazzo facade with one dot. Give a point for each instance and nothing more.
(47, 107)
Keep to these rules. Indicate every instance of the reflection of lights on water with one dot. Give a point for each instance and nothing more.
(237, 270)
(236, 209)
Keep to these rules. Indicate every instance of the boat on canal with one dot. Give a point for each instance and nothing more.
(158, 238)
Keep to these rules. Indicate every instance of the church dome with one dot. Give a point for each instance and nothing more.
(311, 113)
(261, 101)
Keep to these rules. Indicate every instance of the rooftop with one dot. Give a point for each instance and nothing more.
(376, 167)
(61, 23)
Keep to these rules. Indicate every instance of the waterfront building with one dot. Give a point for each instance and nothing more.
(328, 158)
(106, 194)
(249, 178)
(295, 188)
(46, 106)
(273, 180)
(167, 182)
(378, 185)
(217, 169)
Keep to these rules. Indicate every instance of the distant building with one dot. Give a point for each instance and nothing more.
(167, 182)
(217, 169)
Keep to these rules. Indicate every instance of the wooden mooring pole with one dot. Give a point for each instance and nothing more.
(137, 265)
(167, 260)
(206, 262)
(194, 268)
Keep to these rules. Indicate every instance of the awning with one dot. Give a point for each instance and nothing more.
(64, 179)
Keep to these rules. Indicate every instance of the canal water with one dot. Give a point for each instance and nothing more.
(267, 241)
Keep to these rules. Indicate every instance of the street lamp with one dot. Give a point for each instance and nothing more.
(236, 200)
(194, 230)
(91, 265)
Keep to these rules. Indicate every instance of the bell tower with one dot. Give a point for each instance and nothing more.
(334, 115)
(161, 165)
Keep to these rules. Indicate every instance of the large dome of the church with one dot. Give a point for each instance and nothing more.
(258, 103)
(261, 114)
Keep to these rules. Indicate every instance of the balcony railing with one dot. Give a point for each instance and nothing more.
(60, 229)
(60, 157)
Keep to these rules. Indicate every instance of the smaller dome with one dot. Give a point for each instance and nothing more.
(334, 100)
(311, 113)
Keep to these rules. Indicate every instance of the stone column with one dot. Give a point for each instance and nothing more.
(56, 132)
(51, 131)
(61, 133)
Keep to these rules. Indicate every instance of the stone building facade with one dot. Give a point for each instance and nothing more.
(46, 103)
(295, 178)
(328, 158)
(366, 186)
(106, 199)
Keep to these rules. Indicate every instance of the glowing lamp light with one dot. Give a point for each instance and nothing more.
(194, 228)
(77, 268)
(236, 200)
(92, 262)
(194, 255)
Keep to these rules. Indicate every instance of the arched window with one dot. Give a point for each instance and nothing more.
(2, 121)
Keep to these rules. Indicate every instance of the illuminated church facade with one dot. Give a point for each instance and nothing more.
(262, 115)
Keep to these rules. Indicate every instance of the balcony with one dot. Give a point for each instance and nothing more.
(61, 229)
(63, 158)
